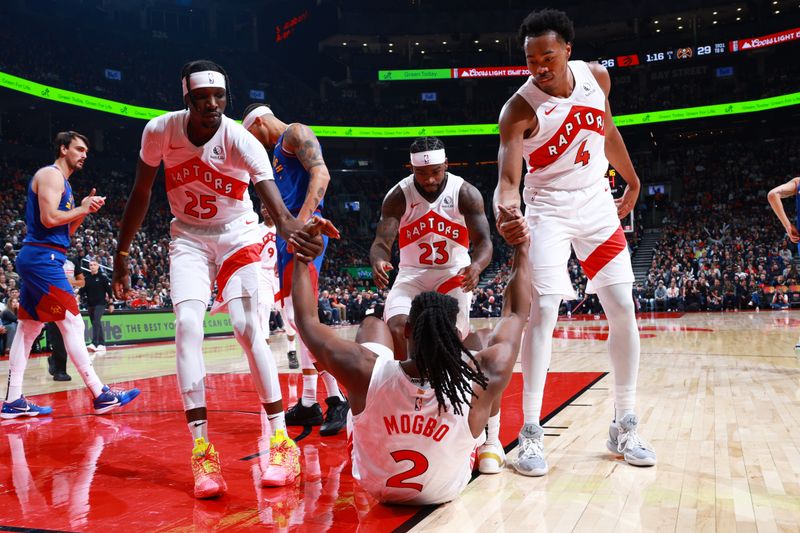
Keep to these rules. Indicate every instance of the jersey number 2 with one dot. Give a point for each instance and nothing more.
(441, 256)
(583, 154)
(200, 206)
(419, 467)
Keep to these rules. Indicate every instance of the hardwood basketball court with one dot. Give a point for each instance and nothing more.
(718, 398)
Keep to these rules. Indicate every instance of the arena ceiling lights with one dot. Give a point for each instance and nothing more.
(368, 132)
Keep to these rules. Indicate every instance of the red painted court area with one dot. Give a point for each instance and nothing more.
(79, 472)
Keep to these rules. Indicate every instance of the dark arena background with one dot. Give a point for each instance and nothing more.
(707, 98)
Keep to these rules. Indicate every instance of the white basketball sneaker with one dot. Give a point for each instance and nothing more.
(623, 440)
(491, 458)
(530, 459)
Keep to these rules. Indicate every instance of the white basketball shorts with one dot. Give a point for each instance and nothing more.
(587, 220)
(413, 281)
(229, 254)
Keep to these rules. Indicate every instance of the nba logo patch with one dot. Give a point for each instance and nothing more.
(418, 404)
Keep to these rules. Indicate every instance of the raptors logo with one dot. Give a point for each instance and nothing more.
(684, 53)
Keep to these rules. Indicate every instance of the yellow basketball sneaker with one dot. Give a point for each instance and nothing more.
(284, 461)
(208, 482)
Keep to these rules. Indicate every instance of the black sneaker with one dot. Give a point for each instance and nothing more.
(293, 362)
(51, 365)
(300, 415)
(335, 417)
(62, 376)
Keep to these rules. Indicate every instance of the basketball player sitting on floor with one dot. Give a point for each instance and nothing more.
(416, 424)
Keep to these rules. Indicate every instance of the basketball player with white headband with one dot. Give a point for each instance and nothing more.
(302, 178)
(209, 160)
(435, 215)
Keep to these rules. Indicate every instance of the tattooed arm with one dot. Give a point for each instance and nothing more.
(301, 141)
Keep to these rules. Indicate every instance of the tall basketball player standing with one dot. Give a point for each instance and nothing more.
(560, 123)
(209, 160)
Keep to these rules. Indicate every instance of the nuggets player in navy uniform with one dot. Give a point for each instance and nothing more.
(302, 177)
(46, 295)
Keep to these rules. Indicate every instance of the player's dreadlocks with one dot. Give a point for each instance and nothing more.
(438, 350)
(199, 66)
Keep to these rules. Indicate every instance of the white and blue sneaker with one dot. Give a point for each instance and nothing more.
(623, 440)
(530, 459)
(23, 407)
(111, 399)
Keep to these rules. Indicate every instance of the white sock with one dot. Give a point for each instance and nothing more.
(292, 344)
(27, 331)
(537, 347)
(623, 344)
(277, 421)
(493, 429)
(72, 328)
(331, 386)
(199, 428)
(309, 390)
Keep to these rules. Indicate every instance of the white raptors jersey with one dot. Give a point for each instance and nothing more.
(205, 184)
(568, 150)
(433, 235)
(268, 278)
(404, 450)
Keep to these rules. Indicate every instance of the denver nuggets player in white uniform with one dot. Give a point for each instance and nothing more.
(209, 160)
(416, 423)
(434, 215)
(560, 123)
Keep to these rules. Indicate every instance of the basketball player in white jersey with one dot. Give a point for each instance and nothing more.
(416, 423)
(209, 160)
(436, 215)
(269, 285)
(560, 123)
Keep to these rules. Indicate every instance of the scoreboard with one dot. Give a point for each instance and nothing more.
(671, 54)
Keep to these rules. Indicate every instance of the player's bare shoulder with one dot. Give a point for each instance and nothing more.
(49, 177)
(394, 204)
(517, 116)
(601, 74)
(470, 199)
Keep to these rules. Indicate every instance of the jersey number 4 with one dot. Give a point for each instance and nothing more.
(441, 256)
(419, 465)
(583, 154)
(201, 206)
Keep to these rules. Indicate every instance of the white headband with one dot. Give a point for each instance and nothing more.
(432, 157)
(251, 117)
(206, 78)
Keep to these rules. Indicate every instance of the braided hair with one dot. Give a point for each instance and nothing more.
(200, 65)
(425, 144)
(439, 353)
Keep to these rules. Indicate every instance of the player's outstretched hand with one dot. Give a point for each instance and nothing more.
(307, 243)
(379, 273)
(121, 279)
(511, 225)
(626, 202)
(93, 203)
